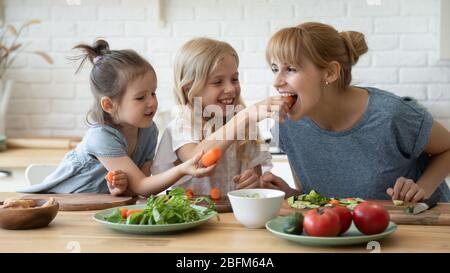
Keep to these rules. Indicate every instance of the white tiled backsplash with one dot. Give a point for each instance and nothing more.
(50, 100)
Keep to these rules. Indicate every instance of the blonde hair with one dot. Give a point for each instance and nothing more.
(194, 63)
(321, 44)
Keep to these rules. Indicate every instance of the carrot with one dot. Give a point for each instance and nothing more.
(215, 194)
(211, 157)
(289, 100)
(133, 211)
(123, 212)
(109, 176)
(189, 193)
(334, 202)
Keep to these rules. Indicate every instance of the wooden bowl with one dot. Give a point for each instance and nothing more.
(29, 218)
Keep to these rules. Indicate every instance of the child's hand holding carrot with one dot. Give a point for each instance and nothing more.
(195, 167)
(248, 179)
(117, 182)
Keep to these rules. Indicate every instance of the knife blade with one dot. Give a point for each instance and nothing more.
(426, 204)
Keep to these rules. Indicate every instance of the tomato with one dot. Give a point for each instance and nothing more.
(320, 222)
(345, 217)
(215, 194)
(370, 218)
(211, 157)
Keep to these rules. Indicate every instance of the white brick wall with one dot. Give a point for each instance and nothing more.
(51, 100)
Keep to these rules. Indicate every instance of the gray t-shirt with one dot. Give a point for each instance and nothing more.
(80, 170)
(387, 143)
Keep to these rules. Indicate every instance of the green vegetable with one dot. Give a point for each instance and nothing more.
(293, 223)
(409, 210)
(116, 217)
(397, 202)
(172, 208)
(314, 200)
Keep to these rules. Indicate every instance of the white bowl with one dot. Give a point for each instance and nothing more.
(254, 207)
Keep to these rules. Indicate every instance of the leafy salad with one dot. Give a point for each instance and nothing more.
(314, 200)
(172, 208)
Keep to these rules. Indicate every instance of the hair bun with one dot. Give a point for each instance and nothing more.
(355, 43)
(101, 47)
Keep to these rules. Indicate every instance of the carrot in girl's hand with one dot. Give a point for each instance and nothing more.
(133, 211)
(215, 194)
(109, 176)
(211, 157)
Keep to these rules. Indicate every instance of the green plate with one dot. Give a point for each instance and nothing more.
(351, 237)
(149, 229)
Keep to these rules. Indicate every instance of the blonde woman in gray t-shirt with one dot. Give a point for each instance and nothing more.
(349, 141)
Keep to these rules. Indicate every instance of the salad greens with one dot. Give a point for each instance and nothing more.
(314, 200)
(172, 208)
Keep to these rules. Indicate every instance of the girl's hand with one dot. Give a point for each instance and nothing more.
(119, 183)
(407, 190)
(274, 107)
(193, 167)
(271, 181)
(248, 179)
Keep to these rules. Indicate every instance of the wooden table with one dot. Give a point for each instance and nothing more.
(78, 232)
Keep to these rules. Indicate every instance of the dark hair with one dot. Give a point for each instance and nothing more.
(111, 73)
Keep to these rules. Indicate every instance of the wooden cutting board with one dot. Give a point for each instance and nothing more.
(222, 205)
(85, 201)
(438, 215)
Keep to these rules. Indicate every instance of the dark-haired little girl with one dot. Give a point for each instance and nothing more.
(122, 137)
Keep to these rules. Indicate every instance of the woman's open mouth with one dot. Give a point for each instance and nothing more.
(290, 98)
(226, 101)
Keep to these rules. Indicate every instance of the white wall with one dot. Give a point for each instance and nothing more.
(50, 100)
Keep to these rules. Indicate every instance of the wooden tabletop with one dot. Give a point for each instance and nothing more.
(78, 232)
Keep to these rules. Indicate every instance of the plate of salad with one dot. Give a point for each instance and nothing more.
(314, 200)
(163, 213)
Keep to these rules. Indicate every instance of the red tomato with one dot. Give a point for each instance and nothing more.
(324, 223)
(215, 194)
(370, 218)
(345, 217)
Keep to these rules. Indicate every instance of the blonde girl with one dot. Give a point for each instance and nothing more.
(206, 82)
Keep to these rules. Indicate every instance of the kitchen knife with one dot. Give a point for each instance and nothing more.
(426, 204)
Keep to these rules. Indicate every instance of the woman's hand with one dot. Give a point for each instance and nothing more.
(119, 183)
(407, 190)
(271, 181)
(194, 167)
(248, 179)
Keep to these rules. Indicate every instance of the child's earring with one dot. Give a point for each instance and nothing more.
(327, 83)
